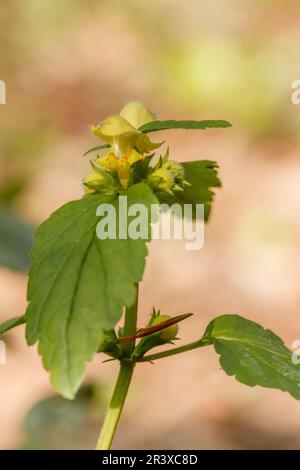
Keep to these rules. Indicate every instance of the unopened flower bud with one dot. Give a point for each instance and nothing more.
(169, 333)
(161, 179)
(97, 183)
(93, 182)
(175, 168)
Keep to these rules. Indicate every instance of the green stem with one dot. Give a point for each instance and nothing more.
(130, 324)
(171, 352)
(115, 408)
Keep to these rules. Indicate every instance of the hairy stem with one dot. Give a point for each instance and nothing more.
(115, 407)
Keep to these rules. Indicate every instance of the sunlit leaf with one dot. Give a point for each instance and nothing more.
(254, 355)
(203, 177)
(78, 285)
(172, 124)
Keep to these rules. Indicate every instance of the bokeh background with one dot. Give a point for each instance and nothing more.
(69, 63)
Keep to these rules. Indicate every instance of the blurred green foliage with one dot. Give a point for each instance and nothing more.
(15, 241)
(56, 423)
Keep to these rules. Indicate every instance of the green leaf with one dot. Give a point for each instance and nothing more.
(98, 147)
(56, 423)
(202, 176)
(78, 285)
(172, 124)
(11, 323)
(255, 356)
(15, 241)
(141, 168)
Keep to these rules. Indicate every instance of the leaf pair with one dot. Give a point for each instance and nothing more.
(254, 355)
(78, 284)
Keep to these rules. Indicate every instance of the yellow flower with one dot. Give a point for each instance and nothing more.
(121, 165)
(137, 114)
(128, 144)
(132, 156)
(121, 131)
(108, 161)
(123, 171)
(144, 144)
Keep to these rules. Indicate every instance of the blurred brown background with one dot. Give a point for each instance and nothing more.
(69, 63)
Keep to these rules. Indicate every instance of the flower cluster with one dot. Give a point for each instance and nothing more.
(127, 145)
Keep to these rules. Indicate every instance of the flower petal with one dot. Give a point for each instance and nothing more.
(123, 172)
(108, 161)
(113, 126)
(137, 114)
(144, 144)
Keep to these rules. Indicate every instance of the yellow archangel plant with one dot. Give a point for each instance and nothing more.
(81, 285)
